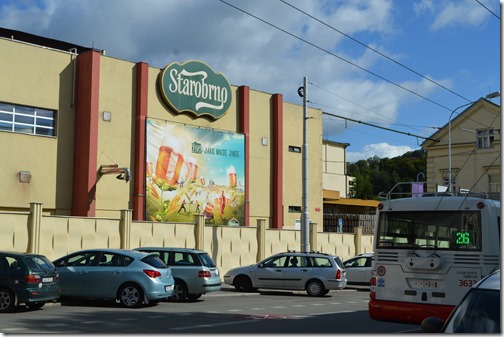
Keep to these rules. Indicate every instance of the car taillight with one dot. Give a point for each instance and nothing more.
(32, 278)
(204, 273)
(338, 275)
(57, 278)
(152, 273)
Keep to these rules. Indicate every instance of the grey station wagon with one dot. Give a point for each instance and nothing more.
(317, 273)
(194, 271)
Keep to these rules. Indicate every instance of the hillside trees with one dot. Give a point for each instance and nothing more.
(376, 175)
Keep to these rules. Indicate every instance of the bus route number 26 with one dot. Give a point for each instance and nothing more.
(466, 283)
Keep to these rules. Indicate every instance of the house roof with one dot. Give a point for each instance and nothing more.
(441, 132)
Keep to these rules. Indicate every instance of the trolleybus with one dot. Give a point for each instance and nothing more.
(428, 251)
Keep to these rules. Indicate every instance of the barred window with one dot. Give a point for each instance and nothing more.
(24, 119)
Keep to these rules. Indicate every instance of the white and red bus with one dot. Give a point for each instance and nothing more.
(428, 252)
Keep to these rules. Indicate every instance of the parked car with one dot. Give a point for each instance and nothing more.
(317, 273)
(26, 278)
(131, 277)
(358, 269)
(193, 270)
(478, 312)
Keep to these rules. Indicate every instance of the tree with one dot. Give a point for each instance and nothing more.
(376, 175)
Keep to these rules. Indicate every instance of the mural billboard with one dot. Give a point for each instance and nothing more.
(193, 170)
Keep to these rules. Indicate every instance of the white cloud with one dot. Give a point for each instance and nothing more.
(381, 150)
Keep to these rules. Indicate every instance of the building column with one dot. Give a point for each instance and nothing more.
(142, 92)
(85, 172)
(244, 123)
(277, 174)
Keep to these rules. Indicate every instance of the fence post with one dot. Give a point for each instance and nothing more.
(125, 228)
(358, 240)
(313, 236)
(261, 239)
(34, 221)
(199, 229)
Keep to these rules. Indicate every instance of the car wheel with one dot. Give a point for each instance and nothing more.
(6, 300)
(315, 288)
(179, 292)
(193, 297)
(131, 296)
(35, 305)
(243, 283)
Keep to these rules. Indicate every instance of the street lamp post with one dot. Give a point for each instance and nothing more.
(450, 178)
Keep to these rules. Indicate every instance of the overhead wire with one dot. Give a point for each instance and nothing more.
(376, 51)
(487, 9)
(337, 56)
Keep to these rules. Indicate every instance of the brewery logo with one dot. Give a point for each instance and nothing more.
(194, 87)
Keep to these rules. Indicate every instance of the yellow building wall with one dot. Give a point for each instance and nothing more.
(42, 78)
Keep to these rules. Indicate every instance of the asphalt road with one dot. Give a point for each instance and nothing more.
(342, 311)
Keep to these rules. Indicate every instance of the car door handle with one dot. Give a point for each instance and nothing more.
(278, 270)
(83, 272)
(118, 272)
(304, 270)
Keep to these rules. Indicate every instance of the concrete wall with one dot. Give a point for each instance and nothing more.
(55, 236)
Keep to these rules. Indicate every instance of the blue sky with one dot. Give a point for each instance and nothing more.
(445, 53)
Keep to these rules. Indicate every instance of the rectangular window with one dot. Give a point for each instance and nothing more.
(485, 138)
(295, 209)
(296, 149)
(494, 182)
(24, 119)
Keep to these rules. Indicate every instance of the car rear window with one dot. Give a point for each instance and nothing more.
(206, 260)
(338, 262)
(39, 263)
(154, 261)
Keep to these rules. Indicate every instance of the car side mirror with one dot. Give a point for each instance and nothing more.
(261, 265)
(432, 324)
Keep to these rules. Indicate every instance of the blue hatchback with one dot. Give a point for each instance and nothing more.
(130, 277)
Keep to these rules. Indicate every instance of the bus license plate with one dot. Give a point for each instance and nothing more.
(426, 284)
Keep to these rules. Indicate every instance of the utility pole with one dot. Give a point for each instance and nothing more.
(305, 228)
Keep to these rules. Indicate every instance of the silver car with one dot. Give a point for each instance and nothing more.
(358, 269)
(133, 278)
(317, 273)
(194, 271)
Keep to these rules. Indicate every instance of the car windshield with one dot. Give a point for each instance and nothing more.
(206, 260)
(39, 263)
(155, 261)
(478, 313)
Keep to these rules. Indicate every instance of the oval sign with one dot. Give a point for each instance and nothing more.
(194, 87)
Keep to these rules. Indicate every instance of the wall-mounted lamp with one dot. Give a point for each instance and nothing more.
(124, 172)
(24, 176)
(107, 116)
(264, 141)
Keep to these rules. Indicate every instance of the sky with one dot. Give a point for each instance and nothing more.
(385, 73)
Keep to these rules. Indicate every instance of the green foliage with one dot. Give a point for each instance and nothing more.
(376, 175)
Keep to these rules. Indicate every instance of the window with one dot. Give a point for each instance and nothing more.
(449, 230)
(494, 182)
(295, 209)
(485, 138)
(24, 119)
(296, 149)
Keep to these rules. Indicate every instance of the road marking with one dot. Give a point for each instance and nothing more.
(92, 322)
(11, 329)
(55, 325)
(233, 310)
(125, 319)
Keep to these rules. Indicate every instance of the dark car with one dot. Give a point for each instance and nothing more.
(478, 312)
(194, 271)
(26, 278)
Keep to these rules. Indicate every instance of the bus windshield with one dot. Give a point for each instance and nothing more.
(445, 230)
